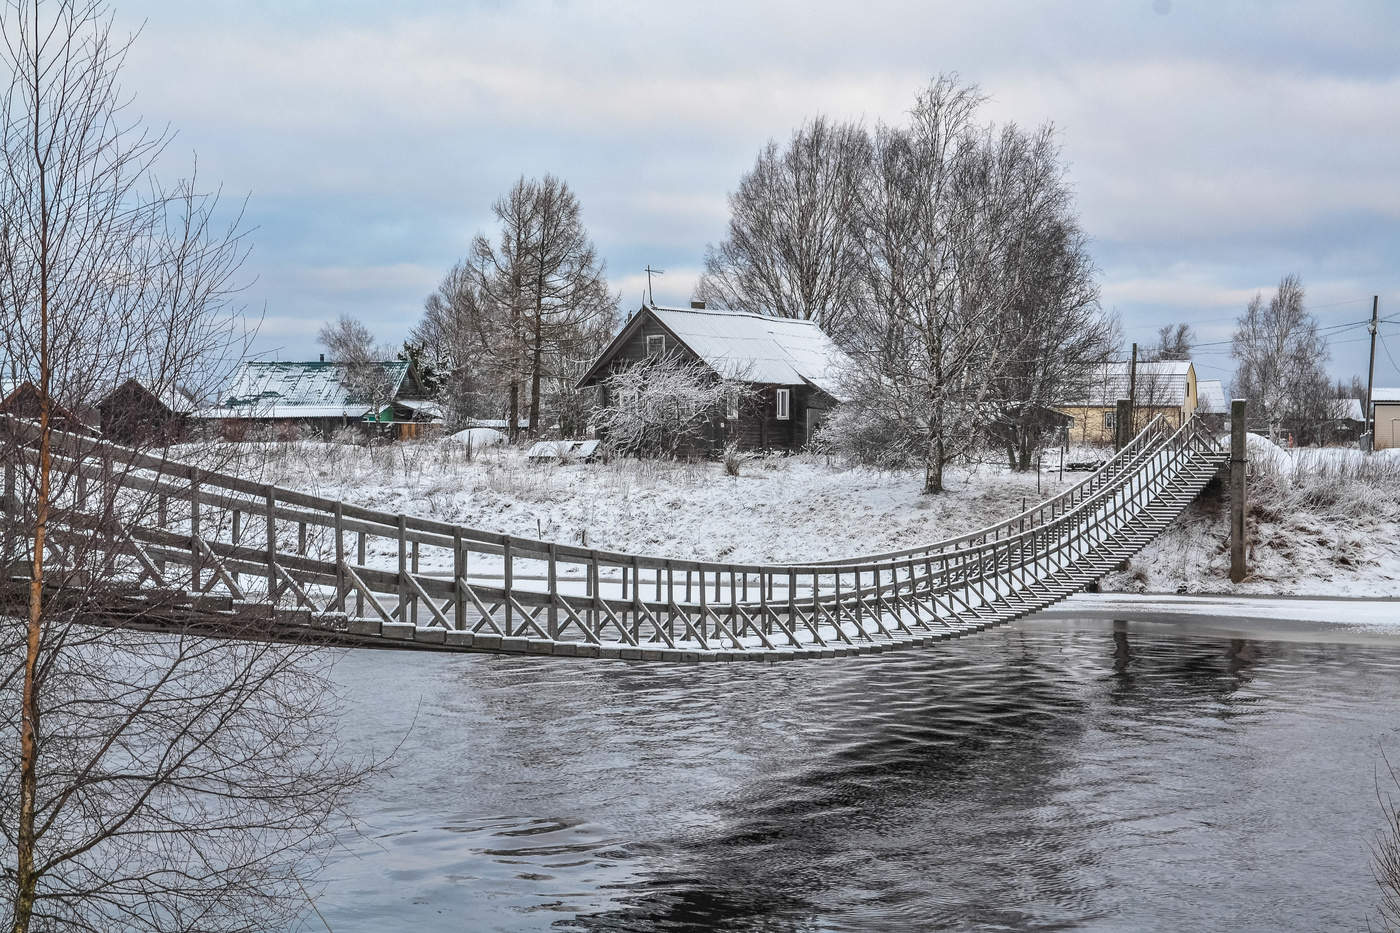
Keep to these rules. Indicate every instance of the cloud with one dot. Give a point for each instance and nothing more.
(1213, 147)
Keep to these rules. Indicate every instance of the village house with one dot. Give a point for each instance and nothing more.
(132, 413)
(1163, 387)
(24, 401)
(790, 366)
(321, 398)
(1385, 409)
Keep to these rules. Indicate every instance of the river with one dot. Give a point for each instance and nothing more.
(1055, 774)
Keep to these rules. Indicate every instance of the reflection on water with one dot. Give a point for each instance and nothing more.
(1047, 776)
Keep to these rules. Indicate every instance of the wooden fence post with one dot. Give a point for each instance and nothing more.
(1238, 460)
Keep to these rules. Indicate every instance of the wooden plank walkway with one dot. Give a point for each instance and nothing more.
(232, 557)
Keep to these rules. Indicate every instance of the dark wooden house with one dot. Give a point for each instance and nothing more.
(23, 401)
(132, 413)
(790, 367)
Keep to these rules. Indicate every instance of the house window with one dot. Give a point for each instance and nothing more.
(731, 404)
(1110, 420)
(656, 344)
(784, 398)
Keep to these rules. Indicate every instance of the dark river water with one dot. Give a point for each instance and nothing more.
(1051, 775)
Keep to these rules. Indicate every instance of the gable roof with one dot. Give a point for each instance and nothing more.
(1161, 383)
(174, 398)
(1345, 409)
(300, 390)
(746, 347)
(1210, 395)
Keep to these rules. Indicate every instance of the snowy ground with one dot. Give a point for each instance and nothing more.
(1311, 535)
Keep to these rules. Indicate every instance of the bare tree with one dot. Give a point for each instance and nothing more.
(454, 338)
(659, 405)
(369, 373)
(147, 781)
(544, 290)
(926, 342)
(793, 247)
(1280, 352)
(1055, 331)
(1174, 342)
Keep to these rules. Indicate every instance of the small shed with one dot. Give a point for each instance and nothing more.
(1385, 408)
(133, 413)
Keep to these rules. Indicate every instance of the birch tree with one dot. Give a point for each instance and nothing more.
(793, 247)
(147, 781)
(925, 342)
(1280, 354)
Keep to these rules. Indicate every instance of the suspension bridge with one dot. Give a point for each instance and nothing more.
(196, 549)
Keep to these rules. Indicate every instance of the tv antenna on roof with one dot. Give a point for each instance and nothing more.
(651, 299)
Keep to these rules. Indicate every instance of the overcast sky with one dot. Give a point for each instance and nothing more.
(1214, 146)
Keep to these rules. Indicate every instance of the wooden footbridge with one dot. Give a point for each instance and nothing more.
(224, 555)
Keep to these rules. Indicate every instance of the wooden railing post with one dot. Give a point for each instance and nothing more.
(459, 580)
(194, 535)
(271, 547)
(508, 581)
(403, 568)
(553, 593)
(360, 551)
(339, 514)
(237, 533)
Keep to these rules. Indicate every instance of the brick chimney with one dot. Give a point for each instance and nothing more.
(698, 305)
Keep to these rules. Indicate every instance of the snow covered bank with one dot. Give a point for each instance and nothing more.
(1369, 615)
(1322, 522)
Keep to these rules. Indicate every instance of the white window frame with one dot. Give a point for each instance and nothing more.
(1110, 421)
(782, 401)
(661, 344)
(731, 404)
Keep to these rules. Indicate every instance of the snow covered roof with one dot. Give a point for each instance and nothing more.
(1160, 383)
(1345, 409)
(1385, 394)
(299, 390)
(172, 397)
(756, 347)
(1210, 395)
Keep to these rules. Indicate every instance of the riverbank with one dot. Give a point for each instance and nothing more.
(1307, 538)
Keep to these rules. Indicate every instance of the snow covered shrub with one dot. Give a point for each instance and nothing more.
(732, 460)
(659, 405)
(866, 436)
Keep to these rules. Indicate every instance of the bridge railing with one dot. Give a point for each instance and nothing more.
(315, 556)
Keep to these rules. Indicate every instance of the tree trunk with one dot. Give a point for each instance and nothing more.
(933, 466)
(513, 424)
(536, 364)
(26, 878)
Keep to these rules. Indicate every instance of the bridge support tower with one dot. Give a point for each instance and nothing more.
(1238, 460)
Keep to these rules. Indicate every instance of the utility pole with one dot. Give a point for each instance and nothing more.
(1366, 417)
(1132, 391)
